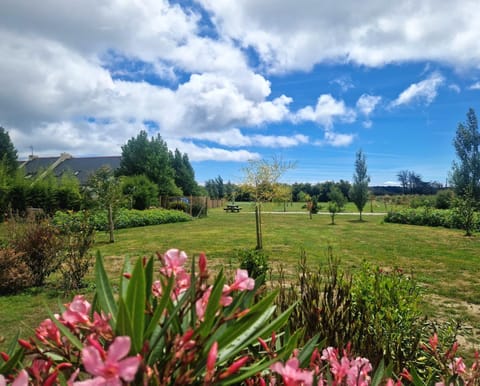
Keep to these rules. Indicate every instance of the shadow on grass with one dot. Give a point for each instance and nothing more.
(357, 221)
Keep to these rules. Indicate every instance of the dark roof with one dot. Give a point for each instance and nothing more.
(82, 168)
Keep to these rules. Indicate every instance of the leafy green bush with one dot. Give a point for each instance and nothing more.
(255, 262)
(443, 199)
(386, 310)
(127, 218)
(178, 205)
(374, 311)
(142, 192)
(432, 217)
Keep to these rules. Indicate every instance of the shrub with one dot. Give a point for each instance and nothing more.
(443, 199)
(178, 205)
(374, 311)
(385, 307)
(255, 262)
(14, 273)
(126, 218)
(78, 235)
(39, 244)
(141, 191)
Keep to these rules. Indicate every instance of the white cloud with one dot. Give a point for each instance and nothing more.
(367, 103)
(298, 35)
(474, 86)
(455, 87)
(327, 110)
(425, 90)
(336, 139)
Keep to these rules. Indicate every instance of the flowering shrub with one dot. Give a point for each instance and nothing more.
(178, 329)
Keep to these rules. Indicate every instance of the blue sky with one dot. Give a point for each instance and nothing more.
(227, 81)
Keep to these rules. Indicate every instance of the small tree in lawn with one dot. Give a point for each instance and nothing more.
(337, 202)
(261, 179)
(359, 190)
(107, 192)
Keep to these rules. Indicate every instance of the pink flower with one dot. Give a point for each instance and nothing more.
(291, 374)
(458, 366)
(211, 360)
(48, 330)
(173, 261)
(242, 281)
(77, 311)
(21, 380)
(109, 368)
(157, 288)
(358, 372)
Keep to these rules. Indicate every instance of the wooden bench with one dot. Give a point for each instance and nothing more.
(232, 208)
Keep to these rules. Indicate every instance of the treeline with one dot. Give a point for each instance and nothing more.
(301, 192)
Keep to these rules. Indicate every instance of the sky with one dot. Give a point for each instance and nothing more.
(227, 81)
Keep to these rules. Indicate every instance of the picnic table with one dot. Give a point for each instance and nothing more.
(232, 208)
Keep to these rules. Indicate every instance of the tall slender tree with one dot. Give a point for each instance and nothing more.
(465, 175)
(359, 190)
(8, 153)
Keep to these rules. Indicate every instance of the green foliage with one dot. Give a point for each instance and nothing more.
(141, 192)
(68, 195)
(447, 218)
(373, 310)
(359, 191)
(323, 302)
(255, 261)
(464, 211)
(444, 199)
(141, 156)
(8, 153)
(337, 202)
(14, 273)
(125, 218)
(465, 176)
(385, 305)
(78, 235)
(184, 175)
(40, 245)
(178, 205)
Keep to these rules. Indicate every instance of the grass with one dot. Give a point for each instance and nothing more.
(443, 261)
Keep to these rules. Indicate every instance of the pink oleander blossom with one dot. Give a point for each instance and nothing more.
(173, 261)
(458, 366)
(358, 374)
(242, 281)
(77, 311)
(21, 380)
(291, 374)
(112, 367)
(48, 330)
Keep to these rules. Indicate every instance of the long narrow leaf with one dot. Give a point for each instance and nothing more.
(127, 268)
(104, 290)
(65, 331)
(148, 279)
(135, 303)
(213, 305)
(124, 322)
(307, 350)
(13, 361)
(160, 308)
(379, 374)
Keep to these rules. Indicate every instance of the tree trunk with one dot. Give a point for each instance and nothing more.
(111, 225)
(258, 222)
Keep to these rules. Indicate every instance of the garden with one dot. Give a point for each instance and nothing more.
(358, 302)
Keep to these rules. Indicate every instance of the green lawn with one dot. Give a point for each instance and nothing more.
(443, 261)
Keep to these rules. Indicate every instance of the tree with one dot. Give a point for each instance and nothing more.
(465, 175)
(107, 193)
(141, 191)
(184, 174)
(359, 190)
(402, 176)
(151, 158)
(261, 178)
(8, 153)
(337, 202)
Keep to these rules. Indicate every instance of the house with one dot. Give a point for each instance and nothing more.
(82, 167)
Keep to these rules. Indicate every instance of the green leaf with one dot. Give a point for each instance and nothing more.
(124, 322)
(213, 305)
(12, 362)
(135, 303)
(149, 268)
(160, 308)
(104, 291)
(379, 374)
(127, 268)
(307, 350)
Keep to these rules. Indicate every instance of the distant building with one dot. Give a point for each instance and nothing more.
(37, 167)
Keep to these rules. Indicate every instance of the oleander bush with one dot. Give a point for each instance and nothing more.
(126, 218)
(179, 327)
